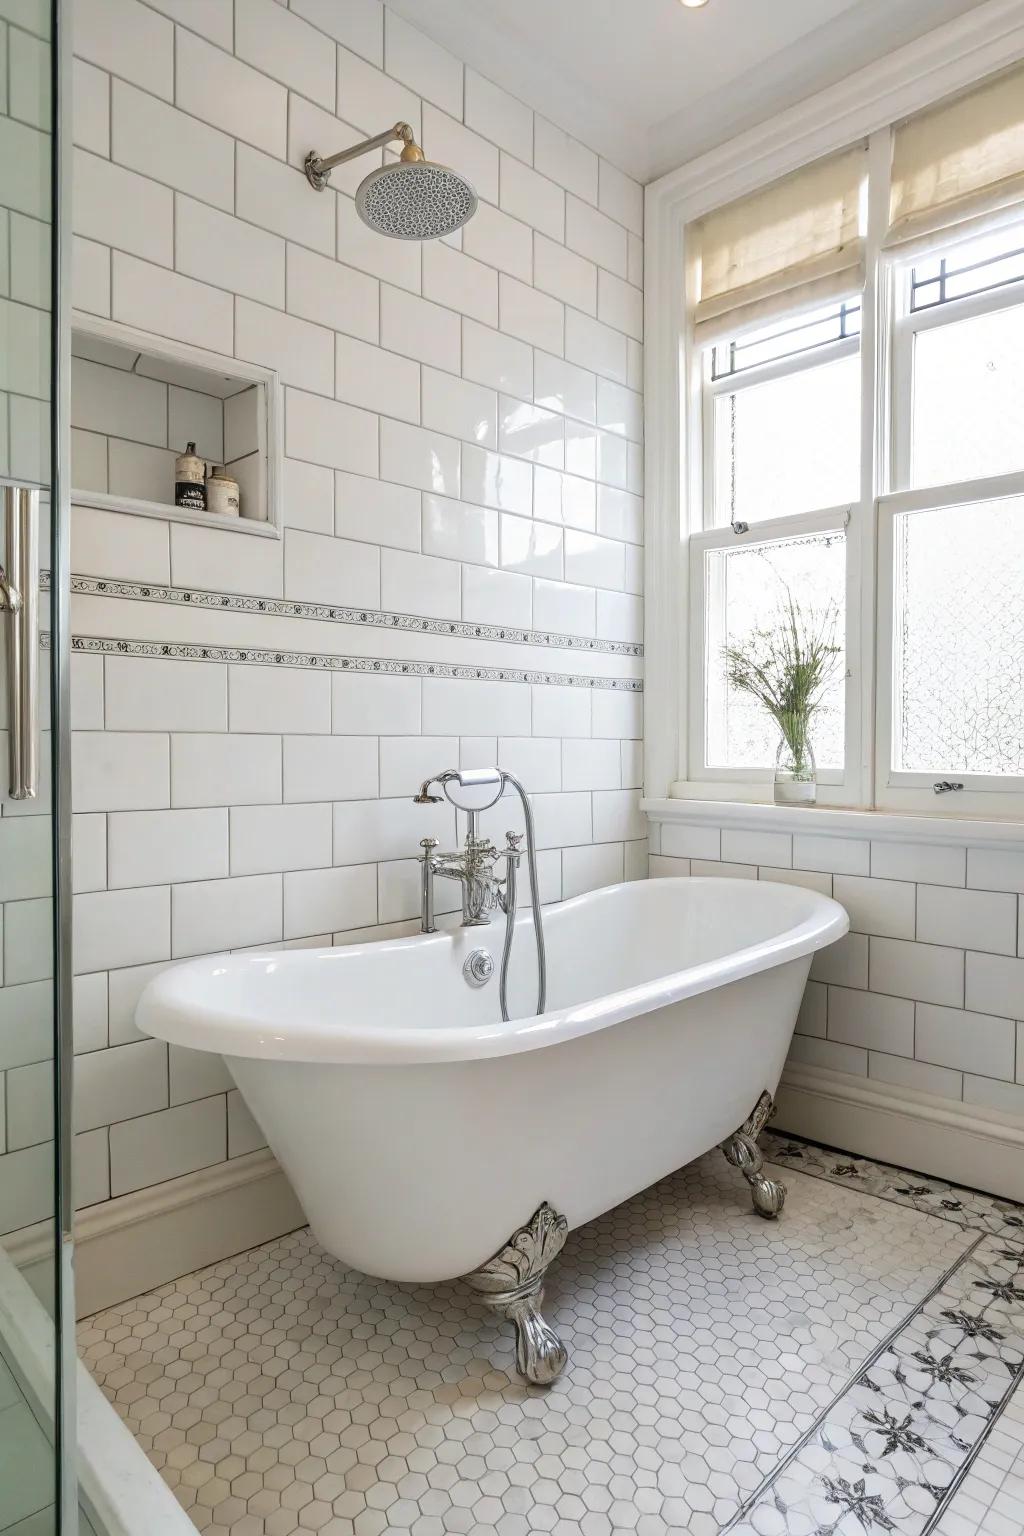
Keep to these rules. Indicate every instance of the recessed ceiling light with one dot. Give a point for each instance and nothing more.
(694, 4)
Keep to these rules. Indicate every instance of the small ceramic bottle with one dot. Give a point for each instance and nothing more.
(190, 480)
(222, 494)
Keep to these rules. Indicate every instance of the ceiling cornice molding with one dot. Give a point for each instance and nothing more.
(939, 63)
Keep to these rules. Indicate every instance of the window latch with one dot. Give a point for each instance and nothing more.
(945, 787)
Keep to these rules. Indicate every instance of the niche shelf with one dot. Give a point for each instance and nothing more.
(137, 399)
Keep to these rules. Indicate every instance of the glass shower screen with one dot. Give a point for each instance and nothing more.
(37, 1486)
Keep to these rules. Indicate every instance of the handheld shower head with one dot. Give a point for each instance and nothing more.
(411, 198)
(468, 789)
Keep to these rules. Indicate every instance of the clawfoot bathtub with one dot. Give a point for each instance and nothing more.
(426, 1139)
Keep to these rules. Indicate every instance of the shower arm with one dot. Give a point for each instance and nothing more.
(318, 169)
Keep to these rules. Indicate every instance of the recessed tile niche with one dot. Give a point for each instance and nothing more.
(137, 402)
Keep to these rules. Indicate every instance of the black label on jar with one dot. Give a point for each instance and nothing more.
(188, 494)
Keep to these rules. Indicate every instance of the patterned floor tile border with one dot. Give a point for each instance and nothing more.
(333, 613)
(892, 1451)
(260, 656)
(966, 1207)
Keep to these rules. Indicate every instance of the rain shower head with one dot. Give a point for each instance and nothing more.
(415, 200)
(411, 199)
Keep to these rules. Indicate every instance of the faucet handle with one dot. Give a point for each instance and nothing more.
(428, 844)
(513, 839)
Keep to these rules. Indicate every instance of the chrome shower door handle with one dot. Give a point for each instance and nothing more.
(19, 591)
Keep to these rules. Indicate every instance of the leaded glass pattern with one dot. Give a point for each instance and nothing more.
(959, 639)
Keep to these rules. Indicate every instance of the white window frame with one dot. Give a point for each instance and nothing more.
(910, 79)
(832, 782)
(981, 794)
(835, 784)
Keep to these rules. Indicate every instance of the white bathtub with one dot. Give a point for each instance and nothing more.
(419, 1131)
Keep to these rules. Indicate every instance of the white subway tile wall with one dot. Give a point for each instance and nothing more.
(462, 430)
(926, 992)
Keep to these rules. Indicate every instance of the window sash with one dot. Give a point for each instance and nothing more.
(898, 789)
(909, 324)
(834, 781)
(731, 384)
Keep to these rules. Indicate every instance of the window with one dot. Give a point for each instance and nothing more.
(783, 409)
(962, 342)
(853, 472)
(951, 533)
(781, 466)
(749, 589)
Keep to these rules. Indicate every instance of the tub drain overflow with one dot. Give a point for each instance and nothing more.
(479, 968)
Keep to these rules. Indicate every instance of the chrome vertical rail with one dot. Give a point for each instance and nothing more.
(20, 582)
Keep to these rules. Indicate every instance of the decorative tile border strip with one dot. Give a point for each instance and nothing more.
(251, 655)
(891, 1451)
(965, 1207)
(331, 613)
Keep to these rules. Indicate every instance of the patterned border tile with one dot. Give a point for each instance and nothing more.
(966, 1207)
(891, 1451)
(251, 655)
(374, 618)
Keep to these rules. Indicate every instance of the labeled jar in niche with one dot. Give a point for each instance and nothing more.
(222, 494)
(190, 480)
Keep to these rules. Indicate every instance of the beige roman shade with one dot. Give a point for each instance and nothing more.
(800, 233)
(960, 161)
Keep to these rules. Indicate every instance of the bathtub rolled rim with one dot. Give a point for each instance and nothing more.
(167, 1011)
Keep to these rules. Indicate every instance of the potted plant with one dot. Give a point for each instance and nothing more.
(788, 669)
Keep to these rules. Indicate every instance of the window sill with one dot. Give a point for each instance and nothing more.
(839, 822)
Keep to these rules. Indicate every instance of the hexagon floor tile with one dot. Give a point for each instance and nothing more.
(280, 1393)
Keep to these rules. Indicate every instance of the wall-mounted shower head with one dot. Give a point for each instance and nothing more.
(411, 199)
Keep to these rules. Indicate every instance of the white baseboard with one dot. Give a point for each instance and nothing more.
(966, 1145)
(136, 1242)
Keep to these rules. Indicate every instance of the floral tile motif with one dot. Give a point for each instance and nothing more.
(891, 1451)
(966, 1207)
(336, 613)
(324, 661)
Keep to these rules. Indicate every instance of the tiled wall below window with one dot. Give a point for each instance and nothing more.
(926, 992)
(462, 425)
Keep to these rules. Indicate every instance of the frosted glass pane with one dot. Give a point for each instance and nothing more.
(789, 445)
(747, 591)
(959, 640)
(968, 416)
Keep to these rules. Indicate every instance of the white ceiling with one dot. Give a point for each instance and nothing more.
(650, 83)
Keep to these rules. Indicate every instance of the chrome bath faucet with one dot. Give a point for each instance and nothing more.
(474, 790)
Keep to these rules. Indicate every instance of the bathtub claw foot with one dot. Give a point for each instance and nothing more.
(742, 1151)
(512, 1283)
